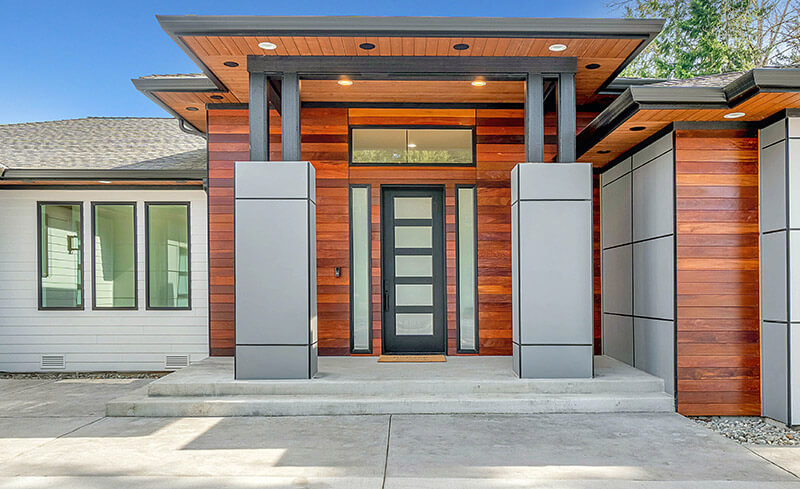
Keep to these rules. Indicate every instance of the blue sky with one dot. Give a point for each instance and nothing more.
(67, 59)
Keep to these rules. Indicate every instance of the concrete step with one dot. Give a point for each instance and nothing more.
(140, 404)
(409, 387)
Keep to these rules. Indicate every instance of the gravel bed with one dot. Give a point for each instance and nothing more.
(82, 375)
(751, 429)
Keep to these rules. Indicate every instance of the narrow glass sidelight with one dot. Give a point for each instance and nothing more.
(467, 269)
(360, 270)
(60, 256)
(168, 256)
(114, 250)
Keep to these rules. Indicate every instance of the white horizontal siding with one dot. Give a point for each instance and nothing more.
(102, 339)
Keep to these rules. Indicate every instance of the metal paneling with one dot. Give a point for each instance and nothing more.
(277, 180)
(515, 273)
(617, 280)
(773, 188)
(556, 272)
(773, 276)
(653, 278)
(654, 349)
(556, 361)
(616, 212)
(272, 362)
(653, 206)
(618, 337)
(616, 171)
(653, 150)
(774, 370)
(555, 182)
(772, 133)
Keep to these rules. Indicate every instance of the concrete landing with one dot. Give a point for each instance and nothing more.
(361, 385)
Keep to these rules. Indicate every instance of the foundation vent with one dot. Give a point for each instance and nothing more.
(174, 362)
(53, 362)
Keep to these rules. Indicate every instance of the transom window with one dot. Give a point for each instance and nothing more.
(392, 145)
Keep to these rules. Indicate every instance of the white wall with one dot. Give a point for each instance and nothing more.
(95, 340)
(638, 291)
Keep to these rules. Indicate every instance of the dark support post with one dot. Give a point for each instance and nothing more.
(534, 118)
(259, 118)
(566, 117)
(290, 116)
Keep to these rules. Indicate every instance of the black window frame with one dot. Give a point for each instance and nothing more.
(369, 262)
(82, 306)
(135, 306)
(147, 205)
(471, 128)
(474, 189)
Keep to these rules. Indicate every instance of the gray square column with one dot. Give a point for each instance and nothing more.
(551, 261)
(276, 271)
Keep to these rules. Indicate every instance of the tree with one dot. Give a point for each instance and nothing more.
(704, 37)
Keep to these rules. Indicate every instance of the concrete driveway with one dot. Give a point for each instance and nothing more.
(54, 434)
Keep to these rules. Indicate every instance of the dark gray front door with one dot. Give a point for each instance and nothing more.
(413, 270)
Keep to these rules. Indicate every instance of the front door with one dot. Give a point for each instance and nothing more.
(413, 270)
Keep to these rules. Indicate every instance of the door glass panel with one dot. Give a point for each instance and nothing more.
(413, 208)
(413, 237)
(414, 324)
(413, 266)
(414, 295)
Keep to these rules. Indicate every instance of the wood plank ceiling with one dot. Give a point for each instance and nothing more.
(216, 51)
(624, 137)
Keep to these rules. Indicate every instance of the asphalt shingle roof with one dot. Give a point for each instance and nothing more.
(101, 143)
(714, 81)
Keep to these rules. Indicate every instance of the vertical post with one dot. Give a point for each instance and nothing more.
(259, 118)
(566, 117)
(534, 118)
(290, 117)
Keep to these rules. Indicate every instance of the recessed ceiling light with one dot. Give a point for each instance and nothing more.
(412, 145)
(231, 64)
(104, 181)
(734, 115)
(557, 47)
(478, 83)
(345, 82)
(366, 45)
(217, 97)
(604, 151)
(269, 46)
(192, 109)
(592, 66)
(460, 46)
(637, 128)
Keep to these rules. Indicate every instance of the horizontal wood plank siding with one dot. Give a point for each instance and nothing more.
(717, 288)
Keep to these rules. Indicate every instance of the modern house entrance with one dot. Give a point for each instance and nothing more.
(414, 300)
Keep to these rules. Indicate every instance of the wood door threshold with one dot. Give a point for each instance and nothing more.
(412, 358)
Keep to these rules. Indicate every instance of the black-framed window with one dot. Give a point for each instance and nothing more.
(168, 255)
(412, 145)
(467, 268)
(60, 255)
(114, 258)
(360, 269)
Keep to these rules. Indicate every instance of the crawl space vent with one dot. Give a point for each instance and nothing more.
(176, 361)
(53, 361)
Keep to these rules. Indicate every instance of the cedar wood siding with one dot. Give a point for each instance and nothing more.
(499, 146)
(718, 357)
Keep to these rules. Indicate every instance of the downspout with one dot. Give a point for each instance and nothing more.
(190, 129)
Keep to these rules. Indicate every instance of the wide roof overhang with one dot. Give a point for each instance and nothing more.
(640, 112)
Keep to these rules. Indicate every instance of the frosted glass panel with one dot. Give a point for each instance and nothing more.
(414, 324)
(60, 255)
(413, 266)
(414, 294)
(114, 256)
(359, 222)
(413, 207)
(466, 268)
(413, 237)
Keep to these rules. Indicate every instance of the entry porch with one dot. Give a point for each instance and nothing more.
(361, 385)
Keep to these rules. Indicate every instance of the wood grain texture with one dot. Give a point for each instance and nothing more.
(717, 327)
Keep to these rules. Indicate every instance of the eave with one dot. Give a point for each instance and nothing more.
(108, 174)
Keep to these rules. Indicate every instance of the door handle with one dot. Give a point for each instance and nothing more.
(385, 296)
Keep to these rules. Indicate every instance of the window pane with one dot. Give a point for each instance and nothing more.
(413, 208)
(440, 145)
(414, 295)
(114, 256)
(413, 237)
(168, 255)
(61, 255)
(413, 324)
(412, 146)
(359, 222)
(466, 268)
(413, 266)
(379, 145)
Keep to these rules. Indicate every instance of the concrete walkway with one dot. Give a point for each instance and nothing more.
(53, 434)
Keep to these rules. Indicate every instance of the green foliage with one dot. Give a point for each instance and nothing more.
(704, 37)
